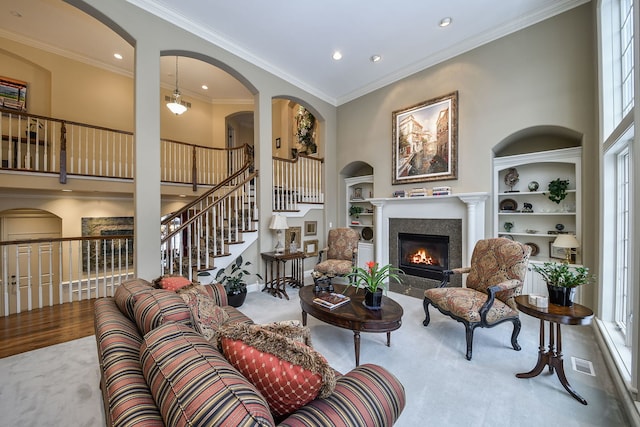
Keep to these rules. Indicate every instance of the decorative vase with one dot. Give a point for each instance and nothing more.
(561, 295)
(237, 299)
(373, 300)
(533, 186)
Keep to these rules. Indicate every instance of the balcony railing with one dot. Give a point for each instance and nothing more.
(43, 272)
(296, 181)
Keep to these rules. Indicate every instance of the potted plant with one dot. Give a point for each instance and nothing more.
(234, 283)
(558, 190)
(374, 280)
(355, 210)
(562, 281)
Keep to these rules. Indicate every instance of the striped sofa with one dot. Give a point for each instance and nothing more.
(156, 370)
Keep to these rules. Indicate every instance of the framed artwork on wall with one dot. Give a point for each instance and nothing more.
(425, 141)
(278, 143)
(311, 247)
(310, 228)
(292, 239)
(13, 94)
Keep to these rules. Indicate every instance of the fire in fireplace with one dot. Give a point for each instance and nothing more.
(423, 255)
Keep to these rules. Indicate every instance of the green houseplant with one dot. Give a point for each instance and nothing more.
(562, 280)
(558, 190)
(232, 278)
(355, 210)
(374, 279)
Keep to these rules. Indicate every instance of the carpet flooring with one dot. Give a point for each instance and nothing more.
(59, 385)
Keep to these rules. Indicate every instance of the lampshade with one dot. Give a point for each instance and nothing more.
(278, 222)
(567, 241)
(175, 105)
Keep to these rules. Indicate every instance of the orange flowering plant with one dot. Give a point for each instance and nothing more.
(374, 277)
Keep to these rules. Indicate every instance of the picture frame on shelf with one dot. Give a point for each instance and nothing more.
(425, 141)
(311, 247)
(559, 253)
(278, 143)
(310, 228)
(357, 193)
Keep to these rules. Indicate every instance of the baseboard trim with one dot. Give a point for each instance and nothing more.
(629, 405)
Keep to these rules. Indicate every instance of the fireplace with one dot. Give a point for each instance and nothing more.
(423, 255)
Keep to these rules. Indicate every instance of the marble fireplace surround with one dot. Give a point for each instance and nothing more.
(468, 207)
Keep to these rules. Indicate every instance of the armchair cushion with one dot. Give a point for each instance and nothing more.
(341, 243)
(466, 303)
(334, 267)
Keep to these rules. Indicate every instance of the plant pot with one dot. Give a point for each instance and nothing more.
(560, 295)
(236, 299)
(373, 300)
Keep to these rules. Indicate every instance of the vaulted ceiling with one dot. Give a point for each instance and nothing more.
(294, 40)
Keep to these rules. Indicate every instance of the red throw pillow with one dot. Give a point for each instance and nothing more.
(288, 373)
(174, 283)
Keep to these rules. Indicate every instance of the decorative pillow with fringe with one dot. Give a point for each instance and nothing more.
(207, 315)
(288, 373)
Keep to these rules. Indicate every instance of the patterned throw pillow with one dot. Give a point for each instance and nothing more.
(173, 283)
(288, 373)
(207, 316)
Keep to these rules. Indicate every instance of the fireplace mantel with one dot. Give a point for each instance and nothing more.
(469, 207)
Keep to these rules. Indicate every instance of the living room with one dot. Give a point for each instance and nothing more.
(539, 78)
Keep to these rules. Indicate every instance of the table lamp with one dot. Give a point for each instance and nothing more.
(567, 242)
(278, 223)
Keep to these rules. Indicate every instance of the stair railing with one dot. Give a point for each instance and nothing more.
(295, 181)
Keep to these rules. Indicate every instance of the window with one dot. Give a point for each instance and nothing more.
(622, 309)
(626, 54)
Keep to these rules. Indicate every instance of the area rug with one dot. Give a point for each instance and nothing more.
(52, 386)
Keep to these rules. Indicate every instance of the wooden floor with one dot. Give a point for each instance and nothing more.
(39, 328)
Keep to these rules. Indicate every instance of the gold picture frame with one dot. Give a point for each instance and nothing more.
(310, 228)
(425, 141)
(292, 234)
(311, 247)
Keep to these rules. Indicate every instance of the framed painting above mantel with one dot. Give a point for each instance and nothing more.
(425, 141)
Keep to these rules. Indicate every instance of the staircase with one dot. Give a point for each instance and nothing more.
(210, 232)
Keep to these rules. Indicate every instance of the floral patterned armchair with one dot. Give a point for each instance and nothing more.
(341, 252)
(496, 276)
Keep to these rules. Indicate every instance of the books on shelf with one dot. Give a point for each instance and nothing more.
(441, 191)
(331, 300)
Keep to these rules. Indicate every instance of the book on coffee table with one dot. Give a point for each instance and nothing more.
(331, 300)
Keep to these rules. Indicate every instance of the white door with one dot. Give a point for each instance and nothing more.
(31, 269)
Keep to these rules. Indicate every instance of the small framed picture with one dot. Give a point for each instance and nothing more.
(311, 247)
(357, 193)
(278, 143)
(310, 228)
(559, 253)
(292, 235)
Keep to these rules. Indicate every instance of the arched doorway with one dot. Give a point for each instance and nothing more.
(27, 263)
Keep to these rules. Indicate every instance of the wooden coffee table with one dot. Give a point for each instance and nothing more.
(353, 315)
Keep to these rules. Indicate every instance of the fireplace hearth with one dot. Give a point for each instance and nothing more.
(423, 255)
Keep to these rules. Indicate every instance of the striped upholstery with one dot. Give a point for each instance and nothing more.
(218, 293)
(236, 316)
(366, 396)
(194, 385)
(125, 293)
(128, 400)
(158, 306)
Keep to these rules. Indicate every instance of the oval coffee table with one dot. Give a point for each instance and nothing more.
(353, 315)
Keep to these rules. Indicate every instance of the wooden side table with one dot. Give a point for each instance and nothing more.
(275, 276)
(552, 357)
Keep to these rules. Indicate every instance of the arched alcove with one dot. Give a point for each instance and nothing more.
(537, 138)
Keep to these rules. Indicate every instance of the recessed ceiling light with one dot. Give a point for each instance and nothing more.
(117, 56)
(445, 22)
(375, 58)
(337, 55)
(205, 87)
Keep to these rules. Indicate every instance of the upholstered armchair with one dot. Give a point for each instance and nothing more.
(339, 257)
(495, 278)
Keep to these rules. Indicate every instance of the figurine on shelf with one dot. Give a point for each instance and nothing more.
(511, 179)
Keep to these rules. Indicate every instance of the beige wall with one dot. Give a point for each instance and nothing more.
(543, 75)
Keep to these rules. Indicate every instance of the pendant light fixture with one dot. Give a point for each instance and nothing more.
(175, 105)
